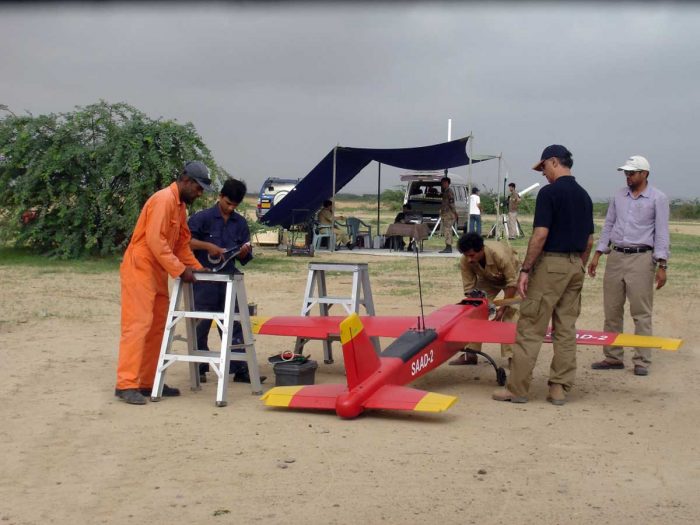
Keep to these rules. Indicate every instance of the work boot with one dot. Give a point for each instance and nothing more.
(557, 395)
(349, 246)
(640, 370)
(130, 395)
(467, 358)
(168, 391)
(503, 394)
(448, 249)
(244, 377)
(607, 364)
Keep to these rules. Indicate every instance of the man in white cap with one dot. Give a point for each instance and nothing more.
(636, 237)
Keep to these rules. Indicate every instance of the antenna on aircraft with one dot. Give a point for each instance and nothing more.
(420, 288)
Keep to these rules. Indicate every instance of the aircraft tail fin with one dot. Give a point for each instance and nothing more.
(358, 351)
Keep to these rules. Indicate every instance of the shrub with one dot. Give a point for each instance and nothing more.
(74, 183)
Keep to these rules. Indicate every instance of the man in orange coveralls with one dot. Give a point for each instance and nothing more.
(160, 245)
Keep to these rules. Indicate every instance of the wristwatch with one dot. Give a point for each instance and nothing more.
(663, 266)
(524, 270)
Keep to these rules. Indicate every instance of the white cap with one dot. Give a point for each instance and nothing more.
(635, 163)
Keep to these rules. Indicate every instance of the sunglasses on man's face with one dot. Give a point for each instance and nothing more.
(630, 173)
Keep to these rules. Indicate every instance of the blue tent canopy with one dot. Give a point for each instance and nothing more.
(300, 204)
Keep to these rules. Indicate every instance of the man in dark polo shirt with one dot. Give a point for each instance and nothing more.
(215, 230)
(551, 279)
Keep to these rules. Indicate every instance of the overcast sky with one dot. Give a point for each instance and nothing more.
(273, 87)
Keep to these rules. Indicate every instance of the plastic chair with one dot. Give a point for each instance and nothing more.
(323, 231)
(356, 228)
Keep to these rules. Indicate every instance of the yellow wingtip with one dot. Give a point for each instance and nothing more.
(350, 327)
(648, 341)
(433, 402)
(256, 323)
(280, 396)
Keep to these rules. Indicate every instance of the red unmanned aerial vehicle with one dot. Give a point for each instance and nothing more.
(378, 381)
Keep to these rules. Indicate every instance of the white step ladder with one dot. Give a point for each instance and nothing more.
(218, 360)
(317, 294)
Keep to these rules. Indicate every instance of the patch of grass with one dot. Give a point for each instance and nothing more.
(683, 245)
(273, 262)
(26, 257)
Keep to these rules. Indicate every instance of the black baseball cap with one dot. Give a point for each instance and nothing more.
(555, 150)
(197, 170)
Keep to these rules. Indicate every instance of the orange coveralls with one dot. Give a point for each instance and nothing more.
(159, 246)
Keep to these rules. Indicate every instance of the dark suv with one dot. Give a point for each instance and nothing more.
(272, 191)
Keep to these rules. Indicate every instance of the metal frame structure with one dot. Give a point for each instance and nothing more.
(218, 360)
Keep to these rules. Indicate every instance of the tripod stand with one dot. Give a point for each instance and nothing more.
(504, 230)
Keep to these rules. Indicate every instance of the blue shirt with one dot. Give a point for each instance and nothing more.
(209, 226)
(637, 221)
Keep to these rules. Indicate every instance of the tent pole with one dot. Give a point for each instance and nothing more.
(379, 198)
(499, 214)
(335, 155)
(469, 178)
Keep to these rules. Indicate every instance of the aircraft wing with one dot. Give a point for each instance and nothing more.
(395, 397)
(481, 331)
(324, 326)
(590, 337)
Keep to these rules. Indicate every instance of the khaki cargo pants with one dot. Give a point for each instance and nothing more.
(447, 221)
(554, 293)
(629, 276)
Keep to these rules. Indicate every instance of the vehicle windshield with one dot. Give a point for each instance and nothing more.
(425, 189)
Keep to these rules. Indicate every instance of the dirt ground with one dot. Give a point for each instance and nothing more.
(625, 449)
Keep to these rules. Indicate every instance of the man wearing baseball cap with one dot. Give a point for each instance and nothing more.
(551, 279)
(636, 238)
(160, 246)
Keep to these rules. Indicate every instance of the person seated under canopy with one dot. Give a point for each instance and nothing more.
(396, 242)
(325, 216)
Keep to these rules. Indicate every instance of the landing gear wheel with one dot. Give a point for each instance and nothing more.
(500, 372)
(501, 376)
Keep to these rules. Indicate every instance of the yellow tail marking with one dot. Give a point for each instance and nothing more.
(350, 327)
(280, 396)
(433, 402)
(256, 323)
(648, 341)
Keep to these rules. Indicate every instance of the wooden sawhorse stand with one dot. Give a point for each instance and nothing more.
(218, 361)
(317, 294)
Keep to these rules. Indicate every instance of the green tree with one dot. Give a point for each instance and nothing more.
(393, 198)
(74, 183)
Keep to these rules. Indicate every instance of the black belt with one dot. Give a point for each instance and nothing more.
(638, 249)
(563, 254)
